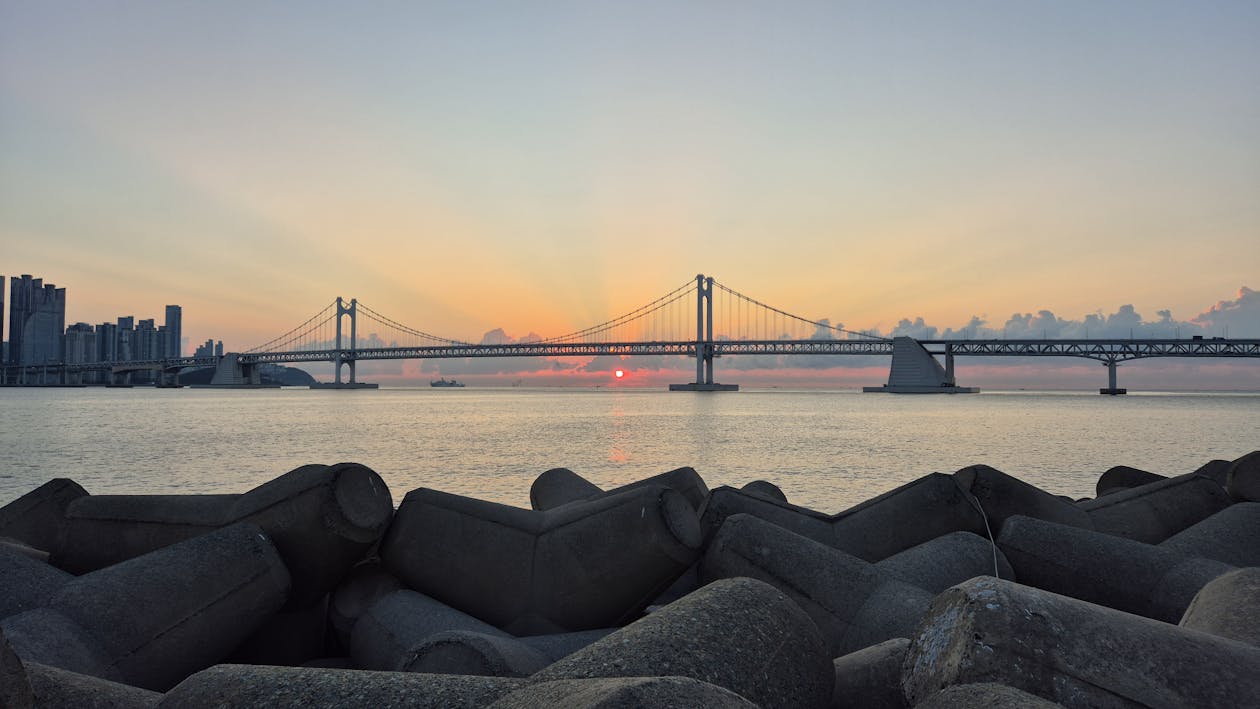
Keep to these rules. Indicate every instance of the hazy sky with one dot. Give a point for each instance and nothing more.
(542, 166)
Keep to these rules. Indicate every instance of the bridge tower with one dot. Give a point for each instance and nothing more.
(344, 356)
(704, 342)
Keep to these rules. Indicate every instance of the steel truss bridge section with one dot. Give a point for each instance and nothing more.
(684, 348)
(1101, 350)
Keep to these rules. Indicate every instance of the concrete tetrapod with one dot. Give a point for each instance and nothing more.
(302, 687)
(15, 686)
(1231, 536)
(579, 566)
(1100, 568)
(322, 518)
(949, 559)
(623, 693)
(739, 634)
(38, 517)
(871, 677)
(55, 687)
(560, 486)
(1072, 652)
(1122, 477)
(1153, 512)
(26, 584)
(1242, 478)
(386, 635)
(152, 620)
(1228, 606)
(985, 694)
(367, 583)
(851, 601)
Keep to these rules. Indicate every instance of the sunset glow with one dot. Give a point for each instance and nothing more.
(535, 170)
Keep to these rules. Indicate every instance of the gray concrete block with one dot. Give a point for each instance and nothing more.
(1215, 470)
(303, 687)
(623, 693)
(1072, 652)
(15, 686)
(55, 687)
(17, 546)
(765, 489)
(38, 517)
(463, 652)
(152, 620)
(1100, 568)
(579, 566)
(557, 645)
(725, 501)
(871, 677)
(740, 634)
(322, 518)
(290, 636)
(919, 511)
(949, 559)
(1002, 496)
(851, 601)
(50, 638)
(26, 583)
(1231, 536)
(367, 583)
(985, 694)
(386, 636)
(1242, 477)
(1151, 513)
(1122, 477)
(1228, 606)
(561, 486)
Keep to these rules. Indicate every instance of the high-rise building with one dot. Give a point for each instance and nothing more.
(145, 338)
(80, 344)
(37, 321)
(174, 331)
(4, 345)
(107, 342)
(126, 338)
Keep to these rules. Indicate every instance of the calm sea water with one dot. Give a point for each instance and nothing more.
(826, 449)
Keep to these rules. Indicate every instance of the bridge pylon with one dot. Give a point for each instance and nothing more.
(704, 342)
(342, 356)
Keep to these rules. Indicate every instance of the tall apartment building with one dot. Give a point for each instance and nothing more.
(126, 348)
(80, 344)
(174, 331)
(107, 342)
(37, 319)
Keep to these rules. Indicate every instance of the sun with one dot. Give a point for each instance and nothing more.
(619, 373)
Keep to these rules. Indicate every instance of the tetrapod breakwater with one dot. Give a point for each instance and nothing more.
(972, 588)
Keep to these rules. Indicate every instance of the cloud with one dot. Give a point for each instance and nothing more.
(1241, 316)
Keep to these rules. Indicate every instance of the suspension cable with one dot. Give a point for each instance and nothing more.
(290, 334)
(815, 323)
(385, 320)
(652, 307)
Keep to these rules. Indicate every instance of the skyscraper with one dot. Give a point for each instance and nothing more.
(37, 320)
(174, 331)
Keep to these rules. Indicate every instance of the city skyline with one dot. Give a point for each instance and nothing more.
(540, 170)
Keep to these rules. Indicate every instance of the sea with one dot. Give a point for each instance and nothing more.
(827, 450)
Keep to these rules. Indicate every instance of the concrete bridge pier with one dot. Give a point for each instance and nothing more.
(1112, 389)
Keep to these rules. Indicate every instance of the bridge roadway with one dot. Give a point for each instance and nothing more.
(1102, 350)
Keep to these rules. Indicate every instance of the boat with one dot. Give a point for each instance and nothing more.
(444, 382)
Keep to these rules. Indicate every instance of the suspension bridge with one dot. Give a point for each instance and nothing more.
(702, 319)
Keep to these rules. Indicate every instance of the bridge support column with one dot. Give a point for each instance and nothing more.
(1112, 389)
(704, 342)
(346, 356)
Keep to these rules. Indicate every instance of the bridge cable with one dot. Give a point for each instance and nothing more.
(815, 323)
